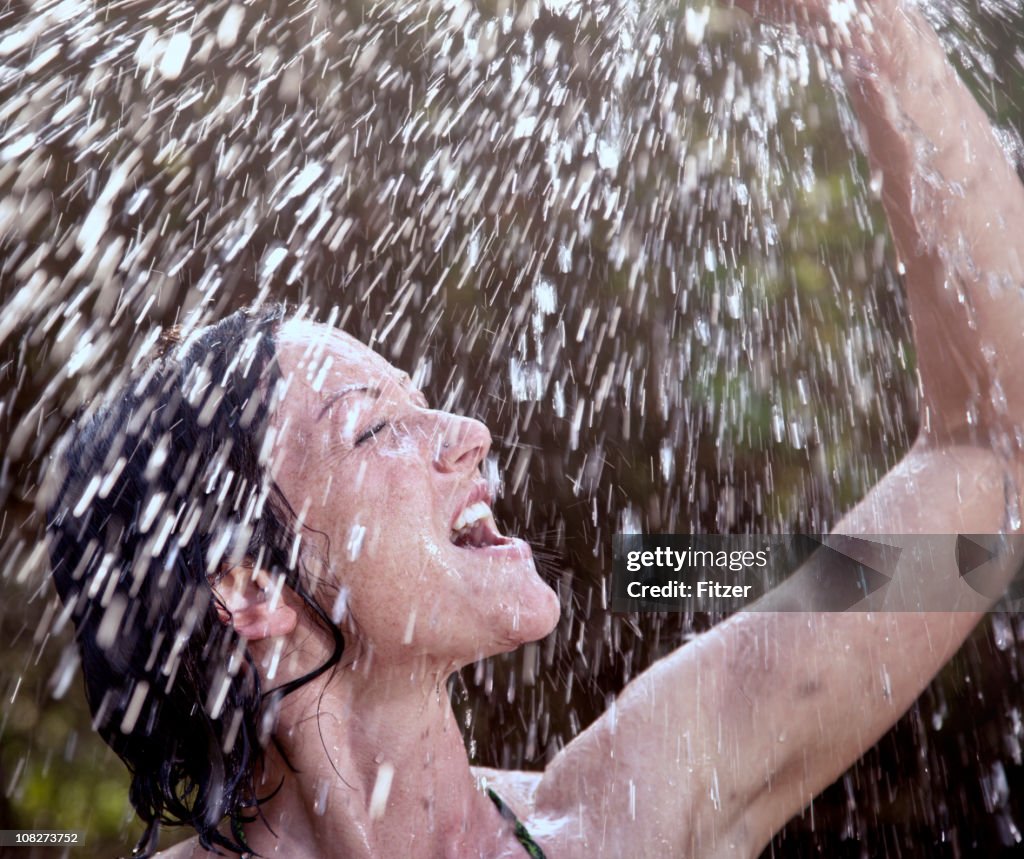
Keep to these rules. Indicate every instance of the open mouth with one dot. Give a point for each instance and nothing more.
(475, 529)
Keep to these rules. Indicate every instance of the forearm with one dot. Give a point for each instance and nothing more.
(956, 211)
(830, 683)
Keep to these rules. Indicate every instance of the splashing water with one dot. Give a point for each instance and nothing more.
(638, 240)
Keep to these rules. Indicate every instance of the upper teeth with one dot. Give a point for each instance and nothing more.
(473, 513)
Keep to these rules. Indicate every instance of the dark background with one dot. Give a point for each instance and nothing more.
(647, 255)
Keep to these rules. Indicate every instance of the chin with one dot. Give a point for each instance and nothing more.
(534, 617)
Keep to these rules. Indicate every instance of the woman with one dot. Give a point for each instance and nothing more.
(400, 504)
(275, 554)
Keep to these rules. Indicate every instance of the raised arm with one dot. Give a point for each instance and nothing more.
(717, 746)
(956, 211)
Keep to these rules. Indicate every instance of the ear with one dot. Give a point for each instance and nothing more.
(251, 603)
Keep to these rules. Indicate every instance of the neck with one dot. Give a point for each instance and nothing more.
(378, 768)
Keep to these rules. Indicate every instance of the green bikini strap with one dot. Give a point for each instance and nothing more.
(522, 836)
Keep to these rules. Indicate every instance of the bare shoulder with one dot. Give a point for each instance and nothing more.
(184, 850)
(554, 826)
(642, 780)
(517, 788)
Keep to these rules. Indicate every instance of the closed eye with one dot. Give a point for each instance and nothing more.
(370, 433)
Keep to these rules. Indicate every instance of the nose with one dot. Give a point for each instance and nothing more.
(462, 443)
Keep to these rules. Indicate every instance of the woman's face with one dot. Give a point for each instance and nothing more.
(415, 564)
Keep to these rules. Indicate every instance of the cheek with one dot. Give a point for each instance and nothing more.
(397, 602)
(380, 526)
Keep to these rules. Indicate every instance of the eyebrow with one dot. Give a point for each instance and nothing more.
(344, 392)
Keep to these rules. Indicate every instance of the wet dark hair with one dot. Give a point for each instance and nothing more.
(163, 487)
